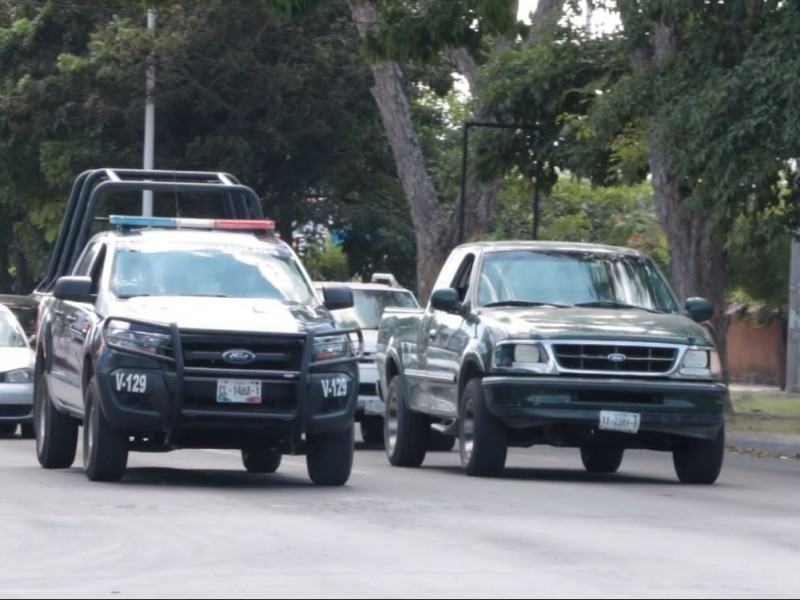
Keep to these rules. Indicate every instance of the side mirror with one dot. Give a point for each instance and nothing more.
(699, 309)
(77, 289)
(336, 297)
(446, 299)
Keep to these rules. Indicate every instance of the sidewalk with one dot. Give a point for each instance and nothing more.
(765, 445)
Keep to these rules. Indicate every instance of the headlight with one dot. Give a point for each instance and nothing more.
(526, 356)
(330, 347)
(129, 336)
(701, 363)
(19, 376)
(696, 359)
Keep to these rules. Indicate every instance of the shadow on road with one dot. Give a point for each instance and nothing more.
(558, 475)
(211, 478)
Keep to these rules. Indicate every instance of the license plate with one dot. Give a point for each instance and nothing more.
(238, 391)
(619, 421)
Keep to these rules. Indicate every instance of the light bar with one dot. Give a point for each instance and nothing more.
(182, 223)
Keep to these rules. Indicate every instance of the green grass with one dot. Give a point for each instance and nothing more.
(770, 412)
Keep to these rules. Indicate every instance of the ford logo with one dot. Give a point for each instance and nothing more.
(238, 357)
(617, 357)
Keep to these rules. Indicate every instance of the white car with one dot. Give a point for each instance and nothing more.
(370, 299)
(16, 376)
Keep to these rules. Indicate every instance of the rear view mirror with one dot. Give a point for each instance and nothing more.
(446, 299)
(699, 309)
(77, 289)
(337, 297)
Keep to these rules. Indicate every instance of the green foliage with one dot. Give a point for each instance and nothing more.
(578, 212)
(419, 31)
(278, 97)
(326, 262)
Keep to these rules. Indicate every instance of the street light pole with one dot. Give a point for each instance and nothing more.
(149, 115)
(464, 152)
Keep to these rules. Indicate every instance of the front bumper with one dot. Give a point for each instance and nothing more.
(178, 397)
(671, 408)
(16, 402)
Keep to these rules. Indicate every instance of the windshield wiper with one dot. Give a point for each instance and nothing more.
(523, 303)
(613, 304)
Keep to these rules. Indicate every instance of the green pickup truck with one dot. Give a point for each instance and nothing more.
(565, 344)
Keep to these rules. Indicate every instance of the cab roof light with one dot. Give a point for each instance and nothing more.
(129, 221)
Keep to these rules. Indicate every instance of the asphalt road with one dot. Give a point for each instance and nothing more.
(194, 524)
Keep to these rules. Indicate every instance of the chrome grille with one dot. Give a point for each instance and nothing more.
(612, 358)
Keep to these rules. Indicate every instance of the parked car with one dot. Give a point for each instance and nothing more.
(370, 300)
(25, 309)
(557, 343)
(16, 376)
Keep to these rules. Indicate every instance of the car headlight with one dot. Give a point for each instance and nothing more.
(124, 335)
(19, 376)
(525, 356)
(701, 363)
(331, 347)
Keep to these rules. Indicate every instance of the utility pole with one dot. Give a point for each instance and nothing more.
(793, 326)
(149, 114)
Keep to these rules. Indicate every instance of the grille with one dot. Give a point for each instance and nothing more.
(15, 410)
(273, 353)
(595, 357)
(367, 389)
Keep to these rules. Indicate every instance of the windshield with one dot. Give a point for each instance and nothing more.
(573, 278)
(11, 334)
(368, 306)
(196, 269)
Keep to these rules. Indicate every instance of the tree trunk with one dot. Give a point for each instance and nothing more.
(698, 257)
(434, 237)
(429, 230)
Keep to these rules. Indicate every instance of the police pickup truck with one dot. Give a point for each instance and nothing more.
(565, 344)
(193, 333)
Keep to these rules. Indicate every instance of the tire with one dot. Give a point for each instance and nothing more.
(600, 459)
(439, 442)
(56, 433)
(105, 449)
(261, 460)
(405, 432)
(699, 461)
(27, 431)
(372, 429)
(7, 429)
(483, 439)
(329, 458)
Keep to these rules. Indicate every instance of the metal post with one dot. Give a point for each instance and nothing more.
(538, 173)
(462, 200)
(149, 115)
(793, 325)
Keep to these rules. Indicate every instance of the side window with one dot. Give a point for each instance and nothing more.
(448, 273)
(462, 278)
(83, 268)
(90, 264)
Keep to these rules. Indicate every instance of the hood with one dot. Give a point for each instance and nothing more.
(598, 324)
(225, 314)
(12, 359)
